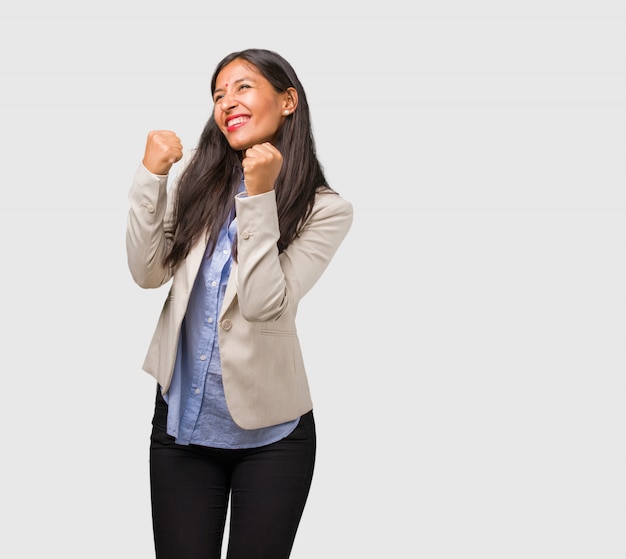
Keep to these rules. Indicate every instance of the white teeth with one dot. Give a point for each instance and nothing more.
(237, 120)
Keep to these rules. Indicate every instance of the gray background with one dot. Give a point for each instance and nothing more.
(465, 347)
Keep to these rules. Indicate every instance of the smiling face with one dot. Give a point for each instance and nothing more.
(248, 110)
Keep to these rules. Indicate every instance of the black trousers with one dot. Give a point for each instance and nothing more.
(191, 487)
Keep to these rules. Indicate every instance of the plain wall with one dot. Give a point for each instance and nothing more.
(466, 346)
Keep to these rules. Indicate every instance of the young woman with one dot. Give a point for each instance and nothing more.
(243, 235)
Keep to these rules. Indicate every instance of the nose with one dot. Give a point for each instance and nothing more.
(227, 102)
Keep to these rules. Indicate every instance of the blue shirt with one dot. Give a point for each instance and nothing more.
(197, 411)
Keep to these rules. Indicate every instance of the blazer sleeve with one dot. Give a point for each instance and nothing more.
(149, 229)
(269, 284)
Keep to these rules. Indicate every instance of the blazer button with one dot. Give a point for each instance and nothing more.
(227, 325)
(246, 234)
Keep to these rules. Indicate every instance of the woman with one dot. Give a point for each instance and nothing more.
(244, 234)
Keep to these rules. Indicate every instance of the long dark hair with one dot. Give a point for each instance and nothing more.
(207, 186)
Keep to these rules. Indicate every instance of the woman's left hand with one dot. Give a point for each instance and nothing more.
(261, 165)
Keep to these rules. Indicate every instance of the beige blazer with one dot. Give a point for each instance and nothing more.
(262, 367)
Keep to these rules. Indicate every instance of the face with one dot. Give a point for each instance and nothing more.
(247, 109)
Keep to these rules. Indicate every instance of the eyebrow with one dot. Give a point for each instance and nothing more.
(234, 83)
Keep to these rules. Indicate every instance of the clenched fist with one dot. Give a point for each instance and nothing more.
(261, 165)
(163, 149)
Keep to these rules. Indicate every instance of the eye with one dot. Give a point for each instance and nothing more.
(243, 86)
(217, 98)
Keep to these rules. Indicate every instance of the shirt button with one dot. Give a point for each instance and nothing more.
(210, 320)
(213, 283)
(203, 358)
(225, 251)
(197, 391)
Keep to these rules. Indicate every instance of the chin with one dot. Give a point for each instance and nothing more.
(240, 146)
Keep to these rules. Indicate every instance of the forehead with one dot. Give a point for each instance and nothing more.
(236, 70)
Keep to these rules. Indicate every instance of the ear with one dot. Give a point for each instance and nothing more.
(290, 101)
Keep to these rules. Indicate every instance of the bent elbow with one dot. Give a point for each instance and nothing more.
(263, 311)
(147, 278)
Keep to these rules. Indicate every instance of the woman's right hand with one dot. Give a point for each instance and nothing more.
(163, 149)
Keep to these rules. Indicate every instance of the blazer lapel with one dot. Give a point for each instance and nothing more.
(231, 290)
(192, 265)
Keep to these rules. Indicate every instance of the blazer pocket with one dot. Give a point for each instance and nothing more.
(275, 332)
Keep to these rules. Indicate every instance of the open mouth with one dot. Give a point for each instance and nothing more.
(236, 122)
